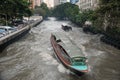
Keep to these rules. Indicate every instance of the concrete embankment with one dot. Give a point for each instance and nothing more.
(36, 23)
(111, 41)
(9, 38)
(107, 39)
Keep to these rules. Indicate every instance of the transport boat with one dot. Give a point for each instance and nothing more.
(66, 27)
(76, 64)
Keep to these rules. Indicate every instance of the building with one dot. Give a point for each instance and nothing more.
(50, 3)
(63, 1)
(31, 4)
(56, 2)
(88, 4)
(34, 3)
(73, 1)
(37, 2)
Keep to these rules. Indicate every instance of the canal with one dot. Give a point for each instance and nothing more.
(31, 58)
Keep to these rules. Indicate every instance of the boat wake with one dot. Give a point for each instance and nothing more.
(62, 69)
(48, 59)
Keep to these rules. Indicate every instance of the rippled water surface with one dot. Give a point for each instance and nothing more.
(31, 58)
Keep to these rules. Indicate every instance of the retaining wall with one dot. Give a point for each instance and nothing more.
(9, 38)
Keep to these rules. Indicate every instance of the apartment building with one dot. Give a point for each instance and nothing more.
(53, 3)
(88, 4)
(50, 3)
(34, 3)
(56, 2)
(73, 1)
(64, 1)
(37, 2)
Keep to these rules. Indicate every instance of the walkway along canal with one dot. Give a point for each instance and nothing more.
(31, 58)
(13, 36)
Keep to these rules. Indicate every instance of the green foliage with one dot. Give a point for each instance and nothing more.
(51, 12)
(106, 18)
(39, 11)
(83, 16)
(66, 10)
(46, 9)
(108, 15)
(71, 11)
(80, 19)
(42, 10)
(113, 30)
(14, 9)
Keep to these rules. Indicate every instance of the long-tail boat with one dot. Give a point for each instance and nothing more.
(66, 28)
(76, 64)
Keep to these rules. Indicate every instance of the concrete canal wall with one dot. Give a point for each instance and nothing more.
(36, 23)
(13, 35)
(9, 38)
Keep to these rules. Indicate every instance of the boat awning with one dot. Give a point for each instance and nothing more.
(71, 48)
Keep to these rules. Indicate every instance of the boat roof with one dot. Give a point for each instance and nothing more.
(71, 48)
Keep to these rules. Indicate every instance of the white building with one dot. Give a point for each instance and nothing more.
(88, 4)
(50, 3)
(64, 1)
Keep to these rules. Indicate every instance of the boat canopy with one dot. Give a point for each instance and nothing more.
(78, 61)
(71, 48)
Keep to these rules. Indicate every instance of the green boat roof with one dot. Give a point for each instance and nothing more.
(71, 48)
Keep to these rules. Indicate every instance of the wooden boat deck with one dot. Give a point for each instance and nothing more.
(71, 48)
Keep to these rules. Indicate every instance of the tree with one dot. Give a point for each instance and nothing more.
(45, 8)
(108, 14)
(106, 19)
(71, 11)
(65, 10)
(14, 9)
(42, 10)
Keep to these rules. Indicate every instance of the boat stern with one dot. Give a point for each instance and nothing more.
(82, 68)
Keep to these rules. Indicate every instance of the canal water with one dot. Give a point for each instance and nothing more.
(31, 58)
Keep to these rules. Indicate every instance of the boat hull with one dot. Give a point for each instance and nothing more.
(58, 53)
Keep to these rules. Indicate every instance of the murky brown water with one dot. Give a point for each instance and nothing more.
(31, 58)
